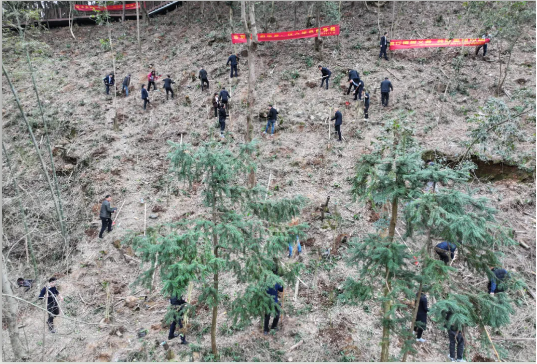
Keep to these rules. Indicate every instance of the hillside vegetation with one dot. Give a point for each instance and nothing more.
(447, 99)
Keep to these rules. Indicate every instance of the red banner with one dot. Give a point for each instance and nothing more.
(426, 43)
(326, 31)
(130, 6)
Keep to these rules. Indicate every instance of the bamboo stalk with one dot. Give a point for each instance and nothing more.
(21, 210)
(145, 216)
(45, 126)
(43, 166)
(491, 343)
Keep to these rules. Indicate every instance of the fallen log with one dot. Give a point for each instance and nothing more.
(296, 345)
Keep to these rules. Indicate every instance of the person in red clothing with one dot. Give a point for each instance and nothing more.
(151, 78)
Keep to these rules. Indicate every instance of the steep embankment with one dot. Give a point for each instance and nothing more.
(130, 163)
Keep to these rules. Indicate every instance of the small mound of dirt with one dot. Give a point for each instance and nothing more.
(480, 358)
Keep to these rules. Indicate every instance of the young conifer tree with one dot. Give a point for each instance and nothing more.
(238, 234)
(452, 213)
(389, 175)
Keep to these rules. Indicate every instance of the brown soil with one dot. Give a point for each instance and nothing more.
(131, 164)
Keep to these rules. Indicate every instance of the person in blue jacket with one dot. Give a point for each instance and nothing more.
(446, 251)
(291, 247)
(496, 285)
(273, 291)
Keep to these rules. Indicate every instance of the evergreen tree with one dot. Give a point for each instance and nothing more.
(386, 176)
(238, 233)
(454, 214)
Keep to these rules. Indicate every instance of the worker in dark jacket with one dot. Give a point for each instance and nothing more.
(215, 104)
(106, 215)
(366, 105)
(446, 251)
(359, 89)
(234, 61)
(384, 45)
(353, 76)
(326, 73)
(455, 339)
(224, 97)
(271, 116)
(385, 88)
(126, 84)
(273, 291)
(497, 284)
(222, 119)
(421, 318)
(168, 86)
(145, 96)
(178, 306)
(21, 282)
(339, 120)
(109, 81)
(50, 292)
(203, 77)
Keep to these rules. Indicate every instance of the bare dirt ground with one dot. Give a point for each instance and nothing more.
(131, 164)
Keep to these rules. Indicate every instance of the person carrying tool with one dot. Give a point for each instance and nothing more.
(366, 105)
(203, 77)
(168, 86)
(326, 73)
(353, 76)
(421, 318)
(359, 89)
(50, 292)
(273, 291)
(234, 61)
(109, 81)
(272, 116)
(222, 119)
(126, 84)
(446, 251)
(497, 283)
(339, 120)
(106, 215)
(178, 305)
(456, 339)
(224, 97)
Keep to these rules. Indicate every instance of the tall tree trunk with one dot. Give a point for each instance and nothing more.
(231, 25)
(251, 41)
(502, 80)
(318, 41)
(71, 20)
(10, 312)
(29, 245)
(386, 307)
(123, 14)
(393, 219)
(215, 283)
(294, 7)
(417, 301)
(138, 30)
(145, 15)
(116, 126)
(310, 15)
(43, 166)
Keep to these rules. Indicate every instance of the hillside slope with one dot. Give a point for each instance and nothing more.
(93, 160)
